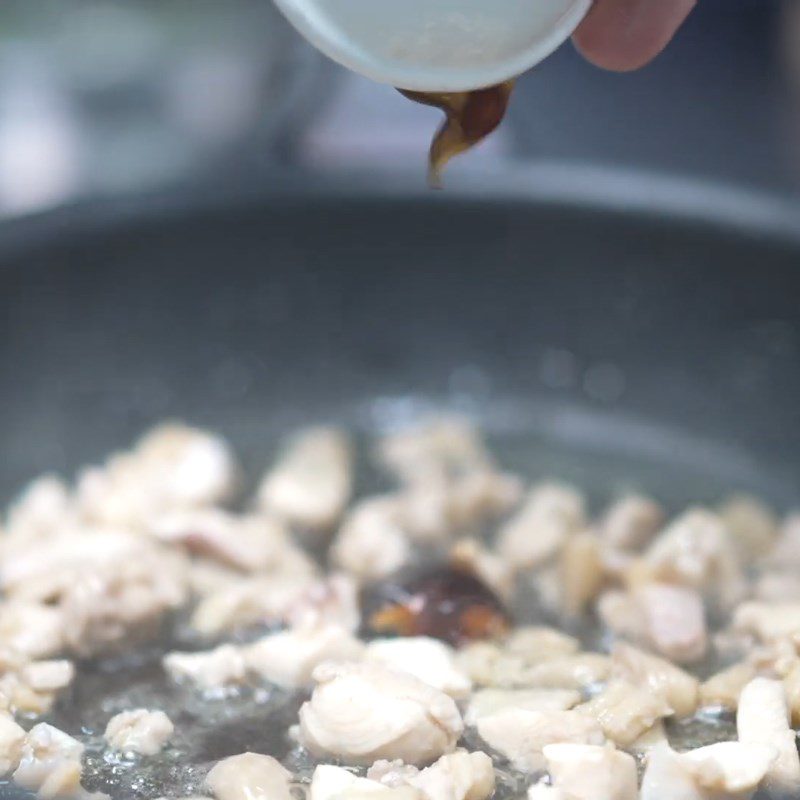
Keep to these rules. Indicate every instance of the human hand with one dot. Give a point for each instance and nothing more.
(623, 35)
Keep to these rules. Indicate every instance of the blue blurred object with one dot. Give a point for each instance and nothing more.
(712, 105)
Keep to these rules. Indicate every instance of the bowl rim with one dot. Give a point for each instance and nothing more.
(312, 20)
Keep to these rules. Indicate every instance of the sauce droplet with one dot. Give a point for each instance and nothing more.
(444, 602)
(469, 118)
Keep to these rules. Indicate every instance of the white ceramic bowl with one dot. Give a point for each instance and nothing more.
(436, 45)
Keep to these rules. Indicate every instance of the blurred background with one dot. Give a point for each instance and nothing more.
(103, 97)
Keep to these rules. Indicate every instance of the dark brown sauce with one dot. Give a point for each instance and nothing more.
(444, 602)
(469, 118)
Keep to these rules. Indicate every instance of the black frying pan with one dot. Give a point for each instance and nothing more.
(607, 314)
(609, 329)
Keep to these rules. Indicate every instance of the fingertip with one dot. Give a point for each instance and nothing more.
(624, 35)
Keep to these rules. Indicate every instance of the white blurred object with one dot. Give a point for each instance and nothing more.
(437, 45)
(39, 147)
(232, 80)
(103, 98)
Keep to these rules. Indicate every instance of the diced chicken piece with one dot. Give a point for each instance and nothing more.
(50, 763)
(520, 735)
(763, 719)
(538, 531)
(129, 601)
(546, 581)
(696, 550)
(249, 776)
(687, 550)
(580, 573)
(752, 525)
(427, 512)
(12, 660)
(12, 737)
(207, 576)
(485, 702)
(212, 669)
(775, 658)
(736, 768)
(625, 711)
(443, 448)
(675, 686)
(777, 586)
(667, 775)
(544, 791)
(32, 687)
(392, 773)
(768, 621)
(493, 570)
(249, 543)
(30, 628)
(172, 467)
(724, 687)
(250, 601)
(96, 588)
(364, 712)
(676, 623)
(623, 566)
(357, 792)
(288, 658)
(457, 776)
(89, 589)
(650, 739)
(428, 659)
(139, 731)
(310, 485)
(63, 781)
(791, 684)
(488, 664)
(333, 600)
(197, 467)
(570, 672)
(16, 697)
(724, 771)
(371, 542)
(47, 676)
(670, 619)
(67, 552)
(592, 772)
(621, 612)
(480, 495)
(730, 646)
(631, 522)
(785, 554)
(435, 510)
(41, 508)
(330, 782)
(537, 643)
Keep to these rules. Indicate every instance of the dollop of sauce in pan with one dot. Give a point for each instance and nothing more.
(445, 602)
(469, 118)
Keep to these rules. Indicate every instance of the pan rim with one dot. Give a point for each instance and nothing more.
(680, 201)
